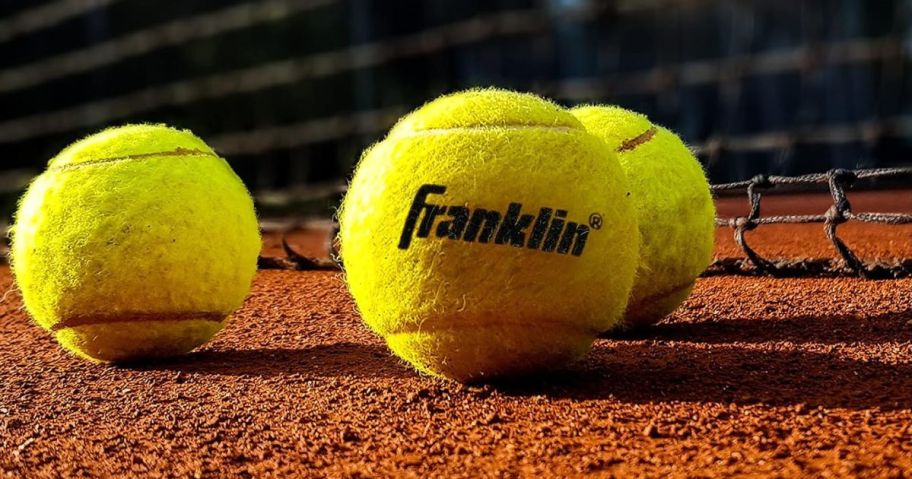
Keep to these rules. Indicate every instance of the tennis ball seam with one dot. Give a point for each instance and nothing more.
(485, 129)
(668, 292)
(136, 317)
(466, 325)
(179, 152)
(635, 142)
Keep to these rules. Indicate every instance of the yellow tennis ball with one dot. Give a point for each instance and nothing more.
(136, 242)
(489, 235)
(674, 209)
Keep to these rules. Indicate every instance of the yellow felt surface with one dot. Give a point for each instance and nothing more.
(157, 234)
(674, 210)
(137, 340)
(484, 107)
(466, 354)
(468, 310)
(128, 140)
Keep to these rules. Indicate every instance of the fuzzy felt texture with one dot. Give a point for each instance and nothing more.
(136, 242)
(484, 108)
(674, 206)
(129, 140)
(470, 310)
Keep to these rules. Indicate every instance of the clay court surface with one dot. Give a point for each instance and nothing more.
(753, 376)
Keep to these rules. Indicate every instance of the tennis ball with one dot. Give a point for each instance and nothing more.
(488, 235)
(136, 242)
(674, 208)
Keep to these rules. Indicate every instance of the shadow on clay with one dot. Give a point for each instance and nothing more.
(779, 363)
(719, 363)
(885, 328)
(324, 360)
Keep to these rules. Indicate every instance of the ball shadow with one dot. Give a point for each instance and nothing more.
(324, 360)
(780, 363)
(817, 329)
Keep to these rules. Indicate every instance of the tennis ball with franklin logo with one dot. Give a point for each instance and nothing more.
(489, 235)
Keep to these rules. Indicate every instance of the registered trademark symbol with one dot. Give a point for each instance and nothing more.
(595, 221)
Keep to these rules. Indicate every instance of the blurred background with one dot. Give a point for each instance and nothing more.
(291, 91)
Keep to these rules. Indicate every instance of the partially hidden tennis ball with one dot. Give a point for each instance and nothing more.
(136, 242)
(489, 235)
(674, 207)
